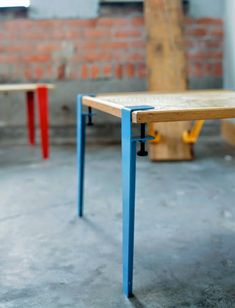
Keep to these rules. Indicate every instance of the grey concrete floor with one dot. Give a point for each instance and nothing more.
(185, 230)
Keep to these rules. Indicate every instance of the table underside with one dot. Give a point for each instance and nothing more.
(167, 107)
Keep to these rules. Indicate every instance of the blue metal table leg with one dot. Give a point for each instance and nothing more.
(81, 127)
(128, 192)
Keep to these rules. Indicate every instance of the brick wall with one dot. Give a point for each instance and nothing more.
(102, 48)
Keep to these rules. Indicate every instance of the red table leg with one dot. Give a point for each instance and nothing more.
(42, 93)
(30, 117)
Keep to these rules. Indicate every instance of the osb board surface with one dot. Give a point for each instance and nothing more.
(177, 106)
(23, 87)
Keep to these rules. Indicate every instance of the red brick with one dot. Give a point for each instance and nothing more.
(142, 70)
(107, 70)
(218, 70)
(198, 32)
(95, 72)
(119, 71)
(213, 44)
(137, 44)
(37, 58)
(198, 70)
(208, 69)
(128, 34)
(83, 45)
(84, 71)
(28, 74)
(209, 21)
(138, 21)
(121, 21)
(136, 57)
(38, 73)
(105, 21)
(47, 48)
(205, 55)
(97, 33)
(130, 70)
(84, 23)
(218, 33)
(116, 45)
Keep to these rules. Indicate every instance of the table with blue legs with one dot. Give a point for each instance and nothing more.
(140, 109)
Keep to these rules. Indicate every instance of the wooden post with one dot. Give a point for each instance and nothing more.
(166, 72)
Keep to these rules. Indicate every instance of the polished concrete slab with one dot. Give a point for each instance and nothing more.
(185, 230)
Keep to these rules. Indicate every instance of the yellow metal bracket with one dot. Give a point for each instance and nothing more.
(188, 136)
(193, 135)
(155, 134)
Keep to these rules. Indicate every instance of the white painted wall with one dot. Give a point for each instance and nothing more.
(207, 8)
(41, 9)
(89, 8)
(229, 48)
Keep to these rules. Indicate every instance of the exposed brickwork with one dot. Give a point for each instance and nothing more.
(204, 45)
(105, 47)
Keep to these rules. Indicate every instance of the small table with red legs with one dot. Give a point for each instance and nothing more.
(41, 92)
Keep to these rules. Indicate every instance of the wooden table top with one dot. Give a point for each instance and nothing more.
(168, 107)
(23, 87)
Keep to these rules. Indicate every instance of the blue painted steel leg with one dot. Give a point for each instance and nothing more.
(128, 201)
(128, 195)
(81, 129)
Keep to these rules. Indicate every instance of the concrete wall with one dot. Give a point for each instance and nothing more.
(207, 8)
(89, 8)
(63, 9)
(229, 58)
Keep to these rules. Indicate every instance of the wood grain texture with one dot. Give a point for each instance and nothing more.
(171, 148)
(179, 106)
(166, 61)
(228, 131)
(23, 87)
(166, 65)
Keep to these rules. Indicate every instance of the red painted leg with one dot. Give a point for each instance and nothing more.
(42, 93)
(30, 117)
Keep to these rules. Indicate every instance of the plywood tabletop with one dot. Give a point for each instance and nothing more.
(23, 87)
(167, 107)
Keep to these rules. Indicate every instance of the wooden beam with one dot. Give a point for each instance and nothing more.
(228, 131)
(166, 71)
